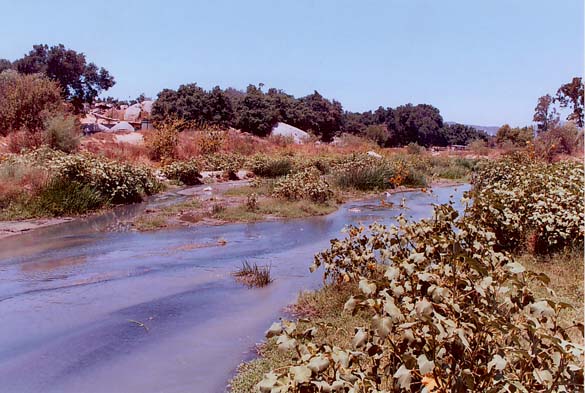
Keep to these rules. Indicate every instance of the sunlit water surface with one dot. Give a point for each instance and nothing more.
(87, 310)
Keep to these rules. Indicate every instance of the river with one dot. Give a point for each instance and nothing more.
(87, 310)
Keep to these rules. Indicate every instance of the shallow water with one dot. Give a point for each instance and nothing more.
(87, 310)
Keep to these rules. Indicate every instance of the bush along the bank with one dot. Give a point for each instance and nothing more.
(229, 163)
(187, 172)
(307, 184)
(449, 313)
(117, 182)
(530, 204)
(45, 182)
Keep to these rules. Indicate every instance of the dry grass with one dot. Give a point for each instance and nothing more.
(24, 140)
(19, 180)
(105, 144)
(565, 271)
(196, 143)
(192, 143)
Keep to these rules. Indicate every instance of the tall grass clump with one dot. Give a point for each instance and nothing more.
(415, 149)
(62, 197)
(61, 133)
(443, 167)
(267, 166)
(253, 275)
(365, 173)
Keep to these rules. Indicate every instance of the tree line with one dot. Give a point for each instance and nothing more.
(254, 110)
(257, 112)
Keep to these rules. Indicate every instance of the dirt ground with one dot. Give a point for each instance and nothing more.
(11, 228)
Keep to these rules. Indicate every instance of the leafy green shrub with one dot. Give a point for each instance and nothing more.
(229, 163)
(307, 184)
(117, 182)
(252, 202)
(378, 133)
(447, 311)
(267, 166)
(323, 164)
(187, 172)
(533, 204)
(61, 133)
(222, 162)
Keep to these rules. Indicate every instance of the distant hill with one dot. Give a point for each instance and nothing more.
(490, 130)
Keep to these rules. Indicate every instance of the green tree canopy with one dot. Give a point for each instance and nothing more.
(5, 64)
(516, 136)
(460, 134)
(192, 103)
(27, 101)
(80, 81)
(572, 95)
(321, 116)
(416, 124)
(545, 115)
(255, 113)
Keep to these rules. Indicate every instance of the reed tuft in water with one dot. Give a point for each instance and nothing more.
(253, 275)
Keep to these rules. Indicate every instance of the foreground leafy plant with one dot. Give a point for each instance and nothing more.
(530, 203)
(450, 314)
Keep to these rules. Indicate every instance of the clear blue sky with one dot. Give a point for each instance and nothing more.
(479, 61)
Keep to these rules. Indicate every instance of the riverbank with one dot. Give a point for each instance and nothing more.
(243, 202)
(218, 204)
(12, 228)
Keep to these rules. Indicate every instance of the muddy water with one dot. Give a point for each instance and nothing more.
(87, 310)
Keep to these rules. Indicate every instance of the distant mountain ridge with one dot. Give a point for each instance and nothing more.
(490, 130)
